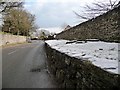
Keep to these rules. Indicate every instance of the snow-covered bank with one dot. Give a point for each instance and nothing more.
(101, 54)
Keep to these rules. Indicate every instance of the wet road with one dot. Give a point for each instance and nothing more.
(24, 66)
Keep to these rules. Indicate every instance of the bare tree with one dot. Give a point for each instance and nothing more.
(97, 8)
(6, 6)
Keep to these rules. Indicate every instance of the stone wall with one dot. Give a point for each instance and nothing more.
(104, 27)
(11, 39)
(71, 72)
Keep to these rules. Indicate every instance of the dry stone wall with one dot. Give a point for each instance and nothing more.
(10, 39)
(71, 72)
(104, 27)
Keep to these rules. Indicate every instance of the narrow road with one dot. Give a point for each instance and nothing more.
(24, 66)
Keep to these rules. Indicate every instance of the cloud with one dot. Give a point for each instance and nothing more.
(54, 13)
(34, 6)
(59, 1)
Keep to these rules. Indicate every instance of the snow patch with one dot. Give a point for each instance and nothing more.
(101, 54)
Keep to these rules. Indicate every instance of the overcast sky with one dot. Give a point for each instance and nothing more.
(56, 13)
(51, 15)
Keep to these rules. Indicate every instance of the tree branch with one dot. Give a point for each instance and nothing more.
(97, 8)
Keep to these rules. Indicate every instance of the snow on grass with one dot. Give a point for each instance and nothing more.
(101, 54)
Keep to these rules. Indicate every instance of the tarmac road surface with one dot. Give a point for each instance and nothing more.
(24, 66)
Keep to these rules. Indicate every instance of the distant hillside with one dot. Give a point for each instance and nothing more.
(104, 27)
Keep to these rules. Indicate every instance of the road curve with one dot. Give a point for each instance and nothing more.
(24, 66)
